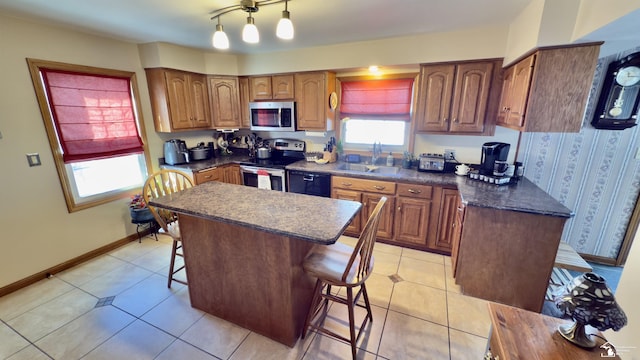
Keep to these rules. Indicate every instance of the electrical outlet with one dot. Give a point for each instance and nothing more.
(449, 154)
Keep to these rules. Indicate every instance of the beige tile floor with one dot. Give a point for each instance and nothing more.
(418, 313)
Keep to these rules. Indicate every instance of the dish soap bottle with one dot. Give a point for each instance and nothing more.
(390, 159)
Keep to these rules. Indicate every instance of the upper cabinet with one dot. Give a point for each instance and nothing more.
(458, 97)
(547, 90)
(225, 102)
(243, 87)
(313, 108)
(274, 87)
(179, 100)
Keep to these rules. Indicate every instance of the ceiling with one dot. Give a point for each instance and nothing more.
(316, 22)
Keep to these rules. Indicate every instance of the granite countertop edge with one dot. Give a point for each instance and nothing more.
(524, 196)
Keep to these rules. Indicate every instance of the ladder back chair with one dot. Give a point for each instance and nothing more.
(158, 184)
(343, 266)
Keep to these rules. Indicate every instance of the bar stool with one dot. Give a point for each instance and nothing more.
(161, 183)
(344, 266)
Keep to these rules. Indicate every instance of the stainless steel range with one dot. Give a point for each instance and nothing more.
(283, 153)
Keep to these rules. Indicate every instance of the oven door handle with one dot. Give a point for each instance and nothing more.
(254, 170)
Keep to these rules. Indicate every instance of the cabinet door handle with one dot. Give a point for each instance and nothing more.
(208, 176)
(445, 120)
(378, 187)
(346, 184)
(413, 191)
(455, 120)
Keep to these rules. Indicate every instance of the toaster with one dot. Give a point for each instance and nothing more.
(431, 162)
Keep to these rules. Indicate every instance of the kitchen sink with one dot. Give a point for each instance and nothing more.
(376, 169)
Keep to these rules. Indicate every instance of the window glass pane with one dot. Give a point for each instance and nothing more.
(105, 175)
(388, 132)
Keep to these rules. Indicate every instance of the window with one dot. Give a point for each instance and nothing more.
(90, 115)
(376, 111)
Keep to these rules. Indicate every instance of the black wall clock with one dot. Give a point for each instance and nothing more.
(617, 107)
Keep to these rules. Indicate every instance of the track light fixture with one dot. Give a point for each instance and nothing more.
(250, 32)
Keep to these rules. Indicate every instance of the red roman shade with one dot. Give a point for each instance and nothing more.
(389, 99)
(93, 115)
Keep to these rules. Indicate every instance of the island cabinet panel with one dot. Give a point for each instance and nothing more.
(507, 256)
(547, 91)
(313, 108)
(249, 277)
(446, 223)
(179, 100)
(457, 97)
(225, 102)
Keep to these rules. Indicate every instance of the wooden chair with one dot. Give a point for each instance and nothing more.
(161, 183)
(344, 266)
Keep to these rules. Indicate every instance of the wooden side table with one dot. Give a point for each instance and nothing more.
(522, 334)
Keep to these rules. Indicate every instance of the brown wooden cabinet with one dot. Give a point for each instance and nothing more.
(243, 89)
(410, 217)
(225, 102)
(457, 97)
(446, 222)
(415, 214)
(206, 175)
(273, 87)
(312, 100)
(179, 100)
(231, 174)
(457, 233)
(368, 192)
(547, 90)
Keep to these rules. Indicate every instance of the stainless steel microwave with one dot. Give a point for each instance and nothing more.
(273, 116)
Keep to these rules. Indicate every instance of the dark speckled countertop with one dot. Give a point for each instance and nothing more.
(524, 196)
(316, 219)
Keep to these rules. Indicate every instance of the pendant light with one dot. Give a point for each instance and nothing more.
(220, 39)
(250, 31)
(285, 26)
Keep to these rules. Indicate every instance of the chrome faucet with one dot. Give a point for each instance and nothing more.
(377, 150)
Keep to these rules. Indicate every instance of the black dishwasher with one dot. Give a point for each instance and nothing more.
(304, 182)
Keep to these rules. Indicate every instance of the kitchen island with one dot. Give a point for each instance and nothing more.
(244, 249)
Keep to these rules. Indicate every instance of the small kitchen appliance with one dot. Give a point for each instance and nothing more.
(273, 116)
(431, 162)
(175, 152)
(492, 152)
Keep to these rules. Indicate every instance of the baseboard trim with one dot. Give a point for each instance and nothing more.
(67, 264)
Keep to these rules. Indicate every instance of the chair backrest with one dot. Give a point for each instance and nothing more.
(161, 183)
(364, 246)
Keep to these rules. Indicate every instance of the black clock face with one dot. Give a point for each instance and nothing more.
(618, 103)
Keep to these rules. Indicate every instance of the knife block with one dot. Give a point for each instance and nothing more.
(330, 156)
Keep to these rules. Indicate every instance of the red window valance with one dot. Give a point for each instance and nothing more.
(93, 115)
(377, 98)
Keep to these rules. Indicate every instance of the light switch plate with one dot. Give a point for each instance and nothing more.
(34, 159)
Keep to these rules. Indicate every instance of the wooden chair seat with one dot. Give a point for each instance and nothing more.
(329, 263)
(343, 266)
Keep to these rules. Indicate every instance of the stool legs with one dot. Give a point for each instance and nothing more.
(172, 270)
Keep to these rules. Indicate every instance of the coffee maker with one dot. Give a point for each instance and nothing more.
(492, 152)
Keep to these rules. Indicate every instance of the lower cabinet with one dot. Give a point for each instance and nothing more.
(367, 192)
(411, 217)
(203, 176)
(231, 174)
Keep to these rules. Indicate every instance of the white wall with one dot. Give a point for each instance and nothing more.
(37, 230)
